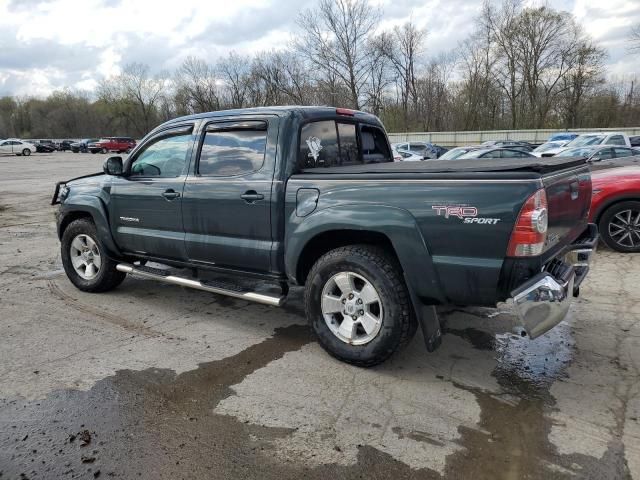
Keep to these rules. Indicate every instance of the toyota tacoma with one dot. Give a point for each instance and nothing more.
(310, 196)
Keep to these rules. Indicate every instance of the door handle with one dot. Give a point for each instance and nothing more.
(251, 196)
(170, 194)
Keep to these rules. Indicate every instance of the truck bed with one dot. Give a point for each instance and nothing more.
(521, 167)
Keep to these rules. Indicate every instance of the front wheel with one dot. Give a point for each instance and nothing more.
(358, 305)
(619, 227)
(104, 150)
(84, 261)
(26, 152)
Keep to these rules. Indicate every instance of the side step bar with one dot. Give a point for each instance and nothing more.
(157, 274)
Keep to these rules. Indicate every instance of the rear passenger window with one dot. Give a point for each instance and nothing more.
(331, 144)
(348, 141)
(617, 140)
(375, 148)
(232, 152)
(318, 145)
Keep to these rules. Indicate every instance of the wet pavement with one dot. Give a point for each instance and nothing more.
(155, 381)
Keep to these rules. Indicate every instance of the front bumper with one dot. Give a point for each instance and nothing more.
(543, 301)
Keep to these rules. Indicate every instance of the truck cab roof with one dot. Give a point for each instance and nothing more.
(282, 111)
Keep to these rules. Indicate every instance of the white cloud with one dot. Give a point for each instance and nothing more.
(49, 44)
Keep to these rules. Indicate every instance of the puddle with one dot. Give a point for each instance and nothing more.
(511, 441)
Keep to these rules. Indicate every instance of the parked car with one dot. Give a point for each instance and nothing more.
(608, 138)
(426, 150)
(563, 136)
(82, 145)
(45, 146)
(635, 141)
(65, 145)
(404, 156)
(333, 213)
(458, 151)
(615, 207)
(598, 153)
(17, 147)
(112, 144)
(440, 150)
(495, 153)
(592, 139)
(549, 146)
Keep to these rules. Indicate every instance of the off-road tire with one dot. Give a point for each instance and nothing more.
(384, 273)
(605, 219)
(107, 278)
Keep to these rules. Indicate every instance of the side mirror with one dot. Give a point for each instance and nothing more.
(113, 166)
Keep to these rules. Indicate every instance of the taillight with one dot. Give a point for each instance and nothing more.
(530, 231)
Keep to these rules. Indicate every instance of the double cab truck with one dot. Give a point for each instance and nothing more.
(310, 196)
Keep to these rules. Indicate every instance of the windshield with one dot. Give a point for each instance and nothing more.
(583, 140)
(549, 146)
(576, 152)
(454, 153)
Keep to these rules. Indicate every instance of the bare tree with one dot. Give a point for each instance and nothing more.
(582, 79)
(502, 26)
(404, 48)
(135, 94)
(334, 40)
(198, 83)
(235, 71)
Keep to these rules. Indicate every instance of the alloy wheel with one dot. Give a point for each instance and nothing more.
(352, 308)
(624, 228)
(85, 256)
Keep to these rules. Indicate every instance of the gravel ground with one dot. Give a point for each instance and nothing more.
(156, 381)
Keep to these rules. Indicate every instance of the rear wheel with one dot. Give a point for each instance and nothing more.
(358, 305)
(84, 260)
(620, 226)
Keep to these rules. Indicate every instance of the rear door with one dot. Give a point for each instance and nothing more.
(146, 205)
(227, 196)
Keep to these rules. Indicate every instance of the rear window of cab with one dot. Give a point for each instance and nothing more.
(330, 143)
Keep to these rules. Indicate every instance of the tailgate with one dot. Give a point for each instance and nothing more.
(569, 200)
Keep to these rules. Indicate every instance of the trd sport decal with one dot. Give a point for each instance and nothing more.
(465, 213)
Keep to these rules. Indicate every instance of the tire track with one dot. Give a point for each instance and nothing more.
(96, 312)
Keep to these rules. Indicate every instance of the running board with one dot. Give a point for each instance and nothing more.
(230, 291)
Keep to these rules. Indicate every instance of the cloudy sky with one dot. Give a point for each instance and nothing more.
(51, 44)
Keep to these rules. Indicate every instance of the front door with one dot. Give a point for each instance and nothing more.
(146, 204)
(227, 200)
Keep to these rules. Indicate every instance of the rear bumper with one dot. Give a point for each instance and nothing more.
(543, 301)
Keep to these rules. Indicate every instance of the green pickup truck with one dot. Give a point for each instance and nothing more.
(310, 196)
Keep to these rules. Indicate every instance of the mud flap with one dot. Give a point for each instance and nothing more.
(428, 320)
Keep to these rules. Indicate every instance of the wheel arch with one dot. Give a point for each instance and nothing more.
(391, 228)
(89, 207)
(611, 202)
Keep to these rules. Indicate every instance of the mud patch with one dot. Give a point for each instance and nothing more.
(155, 424)
(512, 439)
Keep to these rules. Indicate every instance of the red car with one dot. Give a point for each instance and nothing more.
(615, 207)
(112, 144)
